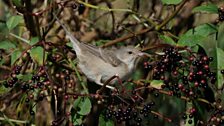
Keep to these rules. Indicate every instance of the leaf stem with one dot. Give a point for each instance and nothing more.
(102, 8)
(79, 77)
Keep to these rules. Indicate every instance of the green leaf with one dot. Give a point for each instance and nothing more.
(25, 77)
(15, 55)
(203, 30)
(220, 66)
(210, 46)
(34, 40)
(190, 40)
(156, 84)
(101, 42)
(3, 90)
(201, 109)
(76, 118)
(4, 29)
(198, 35)
(37, 54)
(17, 3)
(174, 2)
(69, 44)
(167, 39)
(210, 8)
(137, 75)
(13, 21)
(105, 122)
(78, 121)
(6, 45)
(220, 40)
(83, 104)
(2, 61)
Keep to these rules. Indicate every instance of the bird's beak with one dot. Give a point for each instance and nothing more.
(144, 54)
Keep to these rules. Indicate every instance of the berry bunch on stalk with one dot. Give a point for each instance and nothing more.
(183, 74)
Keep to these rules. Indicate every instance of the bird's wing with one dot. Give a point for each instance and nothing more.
(106, 55)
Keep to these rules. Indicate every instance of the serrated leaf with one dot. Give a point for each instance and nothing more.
(105, 122)
(167, 39)
(210, 8)
(174, 2)
(13, 21)
(203, 30)
(6, 45)
(84, 105)
(15, 55)
(156, 84)
(37, 54)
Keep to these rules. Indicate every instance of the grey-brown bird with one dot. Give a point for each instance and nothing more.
(99, 64)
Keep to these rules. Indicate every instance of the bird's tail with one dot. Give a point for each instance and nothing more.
(75, 42)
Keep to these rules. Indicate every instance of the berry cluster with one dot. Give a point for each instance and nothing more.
(221, 14)
(130, 115)
(217, 118)
(184, 76)
(13, 80)
(37, 82)
(169, 62)
(183, 73)
(187, 75)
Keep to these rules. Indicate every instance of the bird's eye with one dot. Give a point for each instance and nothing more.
(130, 52)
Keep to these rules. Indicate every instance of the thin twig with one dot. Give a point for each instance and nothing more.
(14, 120)
(103, 8)
(105, 84)
(127, 37)
(172, 16)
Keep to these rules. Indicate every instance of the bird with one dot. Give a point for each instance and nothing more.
(100, 64)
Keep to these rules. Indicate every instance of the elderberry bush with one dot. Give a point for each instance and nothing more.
(180, 83)
(183, 75)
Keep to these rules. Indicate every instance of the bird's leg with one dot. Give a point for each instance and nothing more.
(108, 81)
(98, 81)
(120, 82)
